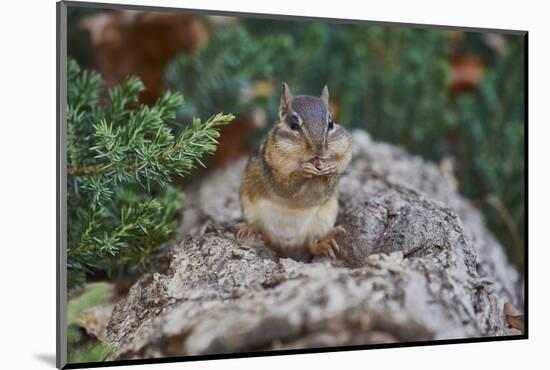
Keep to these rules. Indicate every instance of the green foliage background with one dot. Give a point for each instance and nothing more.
(394, 82)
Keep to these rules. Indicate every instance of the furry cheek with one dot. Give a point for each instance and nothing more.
(338, 147)
(285, 157)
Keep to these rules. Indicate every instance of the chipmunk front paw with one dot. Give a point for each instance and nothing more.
(309, 170)
(318, 167)
(328, 244)
(329, 168)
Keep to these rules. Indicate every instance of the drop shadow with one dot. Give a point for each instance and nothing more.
(48, 358)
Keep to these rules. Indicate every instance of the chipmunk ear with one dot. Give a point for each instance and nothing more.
(324, 95)
(286, 101)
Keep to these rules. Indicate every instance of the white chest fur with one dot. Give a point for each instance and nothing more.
(286, 227)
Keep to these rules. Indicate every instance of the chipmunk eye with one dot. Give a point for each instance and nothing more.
(330, 124)
(294, 123)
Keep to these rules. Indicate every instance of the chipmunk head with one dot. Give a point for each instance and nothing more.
(306, 124)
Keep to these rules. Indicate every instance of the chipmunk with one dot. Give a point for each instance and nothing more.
(288, 191)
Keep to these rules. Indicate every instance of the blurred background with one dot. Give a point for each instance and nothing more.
(455, 98)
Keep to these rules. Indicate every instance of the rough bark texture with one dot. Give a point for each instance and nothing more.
(417, 263)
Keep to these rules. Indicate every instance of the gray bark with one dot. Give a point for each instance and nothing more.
(417, 263)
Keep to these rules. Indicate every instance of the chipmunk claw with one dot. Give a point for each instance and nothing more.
(338, 230)
(246, 231)
(329, 169)
(335, 245)
(328, 244)
(323, 247)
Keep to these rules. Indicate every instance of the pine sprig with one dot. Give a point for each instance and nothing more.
(122, 156)
(145, 149)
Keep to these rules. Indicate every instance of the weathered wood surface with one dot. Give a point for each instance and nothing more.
(417, 263)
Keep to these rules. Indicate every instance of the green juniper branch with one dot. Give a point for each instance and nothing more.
(122, 156)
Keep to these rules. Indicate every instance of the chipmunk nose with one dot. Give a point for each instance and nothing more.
(319, 149)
